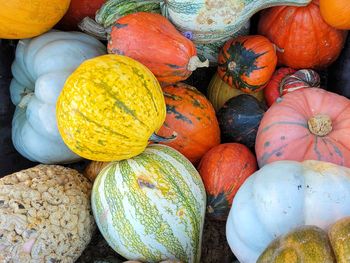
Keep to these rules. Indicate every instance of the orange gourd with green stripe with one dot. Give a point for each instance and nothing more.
(109, 108)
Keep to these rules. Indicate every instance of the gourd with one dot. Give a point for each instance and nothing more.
(77, 11)
(286, 80)
(192, 118)
(247, 63)
(303, 38)
(307, 124)
(239, 119)
(25, 19)
(338, 73)
(336, 13)
(223, 169)
(219, 92)
(210, 21)
(40, 69)
(109, 108)
(151, 207)
(284, 195)
(10, 159)
(311, 244)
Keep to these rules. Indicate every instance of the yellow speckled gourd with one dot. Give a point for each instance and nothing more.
(109, 108)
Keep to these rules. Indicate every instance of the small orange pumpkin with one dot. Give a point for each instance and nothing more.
(247, 62)
(336, 13)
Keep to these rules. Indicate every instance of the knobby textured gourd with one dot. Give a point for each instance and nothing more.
(307, 124)
(282, 196)
(151, 207)
(109, 108)
(24, 19)
(40, 70)
(303, 38)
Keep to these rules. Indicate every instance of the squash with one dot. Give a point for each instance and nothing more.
(79, 9)
(303, 38)
(25, 19)
(192, 118)
(10, 159)
(210, 21)
(109, 108)
(307, 124)
(40, 69)
(223, 169)
(311, 244)
(219, 92)
(338, 73)
(247, 63)
(284, 195)
(151, 207)
(336, 13)
(286, 80)
(239, 119)
(92, 170)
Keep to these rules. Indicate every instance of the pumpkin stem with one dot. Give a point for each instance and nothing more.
(277, 48)
(157, 138)
(25, 100)
(195, 63)
(91, 27)
(320, 125)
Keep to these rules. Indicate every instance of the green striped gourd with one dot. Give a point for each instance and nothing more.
(151, 207)
(209, 21)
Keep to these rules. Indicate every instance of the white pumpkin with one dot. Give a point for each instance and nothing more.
(284, 195)
(40, 69)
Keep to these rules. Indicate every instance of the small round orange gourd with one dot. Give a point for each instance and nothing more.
(25, 19)
(336, 13)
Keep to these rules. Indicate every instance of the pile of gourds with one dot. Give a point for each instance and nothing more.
(266, 149)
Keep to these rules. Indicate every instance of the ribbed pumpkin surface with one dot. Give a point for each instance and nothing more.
(109, 108)
(151, 207)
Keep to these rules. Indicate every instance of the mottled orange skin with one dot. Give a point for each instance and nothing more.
(224, 169)
(304, 39)
(152, 40)
(192, 117)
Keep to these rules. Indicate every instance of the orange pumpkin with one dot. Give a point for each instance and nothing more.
(247, 62)
(25, 19)
(336, 13)
(192, 118)
(303, 38)
(152, 40)
(307, 124)
(224, 169)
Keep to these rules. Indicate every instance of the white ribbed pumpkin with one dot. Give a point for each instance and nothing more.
(284, 195)
(151, 207)
(40, 70)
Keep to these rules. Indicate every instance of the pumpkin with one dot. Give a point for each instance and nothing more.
(284, 195)
(192, 118)
(223, 169)
(93, 169)
(10, 159)
(210, 21)
(336, 13)
(311, 244)
(109, 108)
(219, 92)
(79, 9)
(286, 80)
(307, 124)
(40, 69)
(303, 38)
(338, 73)
(25, 19)
(151, 207)
(239, 119)
(247, 62)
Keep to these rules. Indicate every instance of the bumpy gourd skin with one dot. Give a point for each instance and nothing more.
(308, 244)
(109, 108)
(339, 235)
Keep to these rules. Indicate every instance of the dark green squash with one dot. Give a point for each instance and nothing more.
(10, 160)
(239, 119)
(339, 73)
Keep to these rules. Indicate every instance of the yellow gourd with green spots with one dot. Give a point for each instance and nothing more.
(109, 108)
